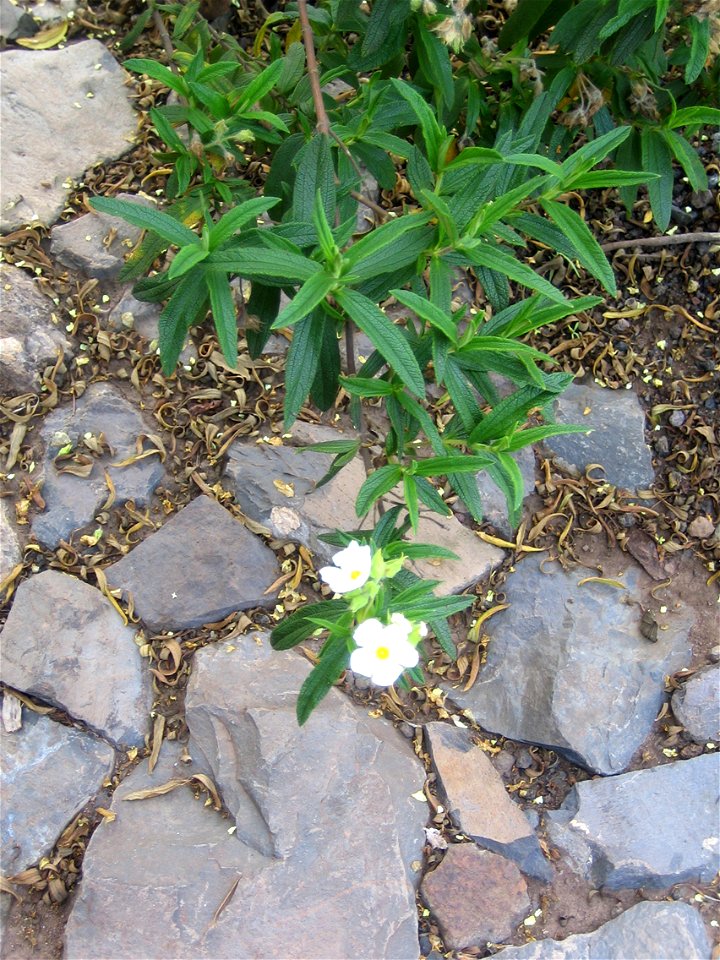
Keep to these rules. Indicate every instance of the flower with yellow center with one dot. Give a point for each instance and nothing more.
(351, 568)
(383, 650)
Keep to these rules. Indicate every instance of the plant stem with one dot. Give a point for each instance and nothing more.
(711, 237)
(164, 36)
(321, 117)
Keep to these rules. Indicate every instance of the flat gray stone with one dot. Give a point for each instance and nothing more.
(568, 667)
(29, 339)
(200, 566)
(94, 244)
(9, 20)
(478, 801)
(646, 931)
(340, 887)
(65, 643)
(75, 96)
(493, 500)
(72, 501)
(648, 828)
(696, 704)
(477, 897)
(10, 553)
(617, 441)
(49, 774)
(263, 475)
(132, 314)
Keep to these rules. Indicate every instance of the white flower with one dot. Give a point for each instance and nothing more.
(383, 651)
(351, 570)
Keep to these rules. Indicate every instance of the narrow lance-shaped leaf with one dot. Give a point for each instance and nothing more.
(146, 218)
(588, 249)
(333, 660)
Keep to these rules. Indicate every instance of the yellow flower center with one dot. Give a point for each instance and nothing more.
(355, 574)
(382, 653)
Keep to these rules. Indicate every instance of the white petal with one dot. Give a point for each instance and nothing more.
(404, 653)
(369, 633)
(385, 673)
(355, 557)
(363, 661)
(400, 621)
(337, 579)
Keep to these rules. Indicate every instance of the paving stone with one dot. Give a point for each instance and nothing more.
(646, 931)
(476, 897)
(29, 340)
(649, 828)
(75, 96)
(478, 801)
(200, 566)
(494, 505)
(81, 245)
(49, 774)
(696, 704)
(65, 643)
(10, 553)
(252, 469)
(617, 441)
(568, 667)
(340, 889)
(71, 501)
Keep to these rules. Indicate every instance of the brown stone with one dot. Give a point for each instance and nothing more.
(477, 897)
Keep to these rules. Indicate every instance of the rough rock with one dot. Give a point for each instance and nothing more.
(73, 501)
(697, 705)
(52, 10)
(10, 553)
(254, 468)
(132, 314)
(75, 96)
(200, 566)
(94, 244)
(649, 828)
(49, 773)
(617, 441)
(568, 667)
(493, 500)
(349, 831)
(478, 801)
(476, 897)
(644, 932)
(65, 643)
(10, 17)
(29, 339)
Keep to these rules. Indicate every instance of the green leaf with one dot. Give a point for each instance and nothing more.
(427, 311)
(325, 237)
(258, 87)
(656, 158)
(312, 292)
(333, 446)
(695, 116)
(315, 171)
(222, 306)
(418, 551)
(333, 660)
(506, 475)
(302, 363)
(591, 154)
(156, 71)
(433, 133)
(629, 9)
(461, 394)
(389, 247)
(418, 171)
(597, 179)
(699, 47)
(185, 259)
(433, 607)
(186, 307)
(386, 14)
(688, 159)
(474, 157)
(443, 466)
(430, 497)
(367, 387)
(146, 218)
(238, 217)
(259, 262)
(511, 411)
(521, 22)
(327, 376)
(494, 258)
(661, 11)
(467, 487)
(380, 482)
(129, 39)
(263, 304)
(535, 434)
(490, 213)
(587, 248)
(167, 131)
(434, 59)
(410, 495)
(385, 336)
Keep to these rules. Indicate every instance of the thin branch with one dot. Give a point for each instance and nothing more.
(370, 204)
(321, 117)
(164, 36)
(671, 240)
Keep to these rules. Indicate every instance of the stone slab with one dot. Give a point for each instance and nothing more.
(649, 828)
(94, 244)
(201, 565)
(10, 553)
(49, 773)
(75, 96)
(65, 643)
(569, 668)
(494, 505)
(696, 704)
(72, 501)
(646, 931)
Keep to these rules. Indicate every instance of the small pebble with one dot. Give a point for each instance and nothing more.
(715, 655)
(662, 446)
(701, 527)
(627, 520)
(524, 760)
(504, 762)
(407, 730)
(677, 418)
(701, 198)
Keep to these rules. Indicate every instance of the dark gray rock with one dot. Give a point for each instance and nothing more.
(10, 553)
(75, 96)
(200, 566)
(494, 505)
(29, 339)
(9, 20)
(341, 888)
(49, 774)
(65, 643)
(696, 704)
(263, 476)
(476, 897)
(132, 314)
(644, 932)
(569, 668)
(72, 501)
(617, 441)
(648, 828)
(94, 244)
(478, 801)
